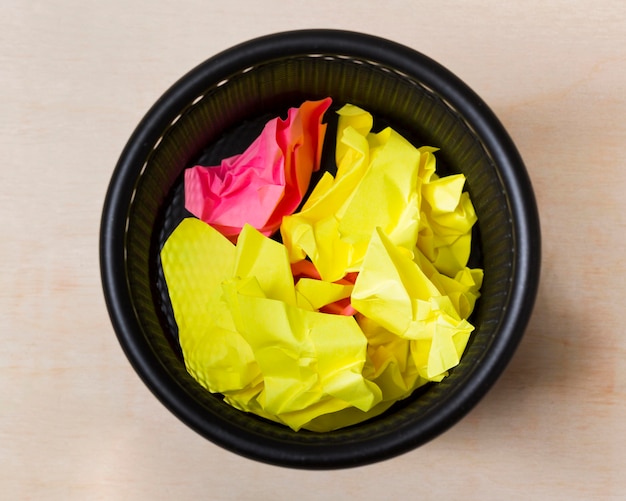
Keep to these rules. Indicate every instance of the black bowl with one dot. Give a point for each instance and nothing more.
(266, 76)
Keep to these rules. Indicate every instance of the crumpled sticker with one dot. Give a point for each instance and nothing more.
(376, 185)
(266, 181)
(196, 259)
(392, 291)
(244, 333)
(382, 181)
(447, 218)
(306, 358)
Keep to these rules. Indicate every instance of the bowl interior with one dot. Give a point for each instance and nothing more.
(210, 124)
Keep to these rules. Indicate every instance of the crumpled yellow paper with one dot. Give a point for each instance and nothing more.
(382, 181)
(246, 331)
(388, 242)
(376, 185)
(447, 218)
(394, 292)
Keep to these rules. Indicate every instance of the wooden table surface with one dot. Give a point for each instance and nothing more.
(75, 420)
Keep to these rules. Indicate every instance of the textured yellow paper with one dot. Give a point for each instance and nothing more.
(394, 292)
(375, 186)
(243, 334)
(382, 181)
(196, 260)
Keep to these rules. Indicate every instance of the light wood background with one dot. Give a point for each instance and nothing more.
(75, 420)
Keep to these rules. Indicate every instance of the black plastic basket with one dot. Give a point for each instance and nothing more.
(241, 87)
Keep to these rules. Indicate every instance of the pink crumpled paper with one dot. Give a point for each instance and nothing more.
(265, 182)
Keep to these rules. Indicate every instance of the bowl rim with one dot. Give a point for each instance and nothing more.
(405, 60)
